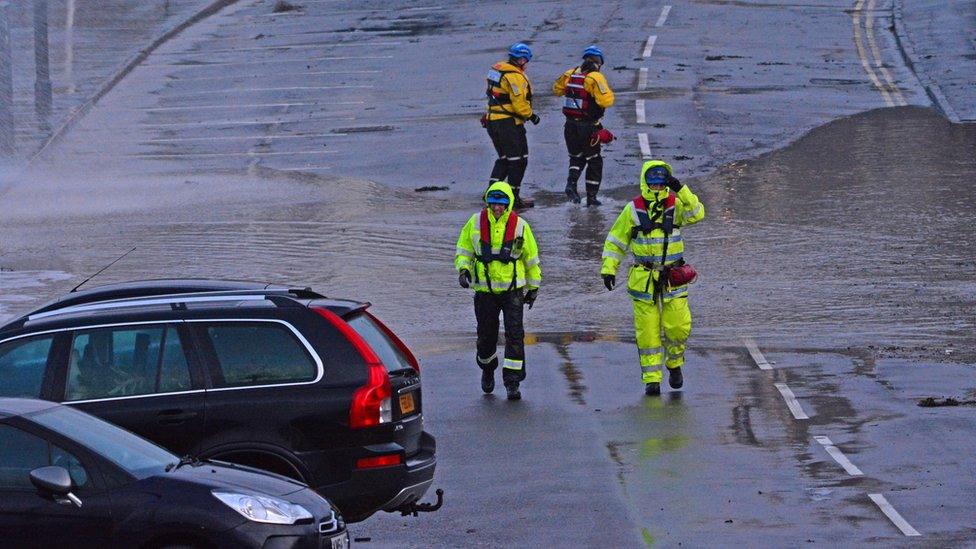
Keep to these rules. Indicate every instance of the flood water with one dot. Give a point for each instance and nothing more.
(859, 234)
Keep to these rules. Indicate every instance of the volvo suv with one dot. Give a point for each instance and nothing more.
(278, 378)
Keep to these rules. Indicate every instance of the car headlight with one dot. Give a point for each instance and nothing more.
(261, 508)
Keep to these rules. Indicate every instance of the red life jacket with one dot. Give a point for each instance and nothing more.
(505, 255)
(486, 256)
(649, 223)
(579, 103)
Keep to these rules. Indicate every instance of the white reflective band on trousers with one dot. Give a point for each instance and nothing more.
(488, 360)
(512, 364)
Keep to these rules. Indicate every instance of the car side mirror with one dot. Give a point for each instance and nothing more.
(54, 480)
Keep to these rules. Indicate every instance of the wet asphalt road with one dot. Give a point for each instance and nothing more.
(847, 256)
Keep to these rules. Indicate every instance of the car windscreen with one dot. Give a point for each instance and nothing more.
(381, 344)
(138, 456)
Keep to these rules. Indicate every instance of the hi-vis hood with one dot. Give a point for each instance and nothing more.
(646, 192)
(505, 188)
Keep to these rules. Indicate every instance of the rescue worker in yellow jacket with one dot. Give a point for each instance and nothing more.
(587, 96)
(509, 96)
(498, 257)
(651, 227)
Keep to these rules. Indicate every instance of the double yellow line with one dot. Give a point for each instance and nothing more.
(873, 65)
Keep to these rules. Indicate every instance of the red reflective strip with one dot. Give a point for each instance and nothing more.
(510, 227)
(485, 231)
(364, 410)
(378, 461)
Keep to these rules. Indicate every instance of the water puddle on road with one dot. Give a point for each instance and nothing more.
(859, 233)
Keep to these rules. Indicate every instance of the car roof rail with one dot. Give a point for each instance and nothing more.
(170, 289)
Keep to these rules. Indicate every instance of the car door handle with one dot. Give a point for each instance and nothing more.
(173, 417)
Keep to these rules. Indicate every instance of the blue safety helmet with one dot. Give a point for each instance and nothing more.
(520, 51)
(593, 51)
(658, 175)
(497, 197)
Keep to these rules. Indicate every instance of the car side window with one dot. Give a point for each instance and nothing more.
(258, 353)
(21, 452)
(126, 361)
(22, 364)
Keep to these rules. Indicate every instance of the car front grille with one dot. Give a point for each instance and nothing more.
(331, 524)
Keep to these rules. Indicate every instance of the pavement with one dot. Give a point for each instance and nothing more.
(89, 44)
(286, 147)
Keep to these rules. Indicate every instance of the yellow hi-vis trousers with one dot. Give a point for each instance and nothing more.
(675, 318)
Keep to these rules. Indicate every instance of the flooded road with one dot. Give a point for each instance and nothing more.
(858, 235)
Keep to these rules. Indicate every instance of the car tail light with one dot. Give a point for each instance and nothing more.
(372, 404)
(378, 461)
(398, 342)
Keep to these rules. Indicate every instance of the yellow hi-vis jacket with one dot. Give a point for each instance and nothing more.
(595, 85)
(509, 93)
(523, 268)
(647, 249)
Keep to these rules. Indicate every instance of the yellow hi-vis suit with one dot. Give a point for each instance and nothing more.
(501, 272)
(674, 316)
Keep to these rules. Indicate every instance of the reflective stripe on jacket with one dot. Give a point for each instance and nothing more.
(509, 93)
(525, 268)
(648, 248)
(587, 95)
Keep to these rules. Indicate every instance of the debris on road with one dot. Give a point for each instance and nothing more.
(430, 188)
(932, 402)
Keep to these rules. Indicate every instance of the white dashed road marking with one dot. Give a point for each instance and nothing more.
(649, 46)
(838, 456)
(757, 355)
(664, 17)
(642, 78)
(644, 145)
(641, 115)
(893, 515)
(791, 401)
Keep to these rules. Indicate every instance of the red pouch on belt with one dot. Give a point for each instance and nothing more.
(602, 135)
(679, 276)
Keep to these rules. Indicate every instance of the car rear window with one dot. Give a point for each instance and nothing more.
(22, 364)
(258, 353)
(376, 337)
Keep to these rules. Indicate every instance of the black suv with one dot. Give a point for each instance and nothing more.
(277, 378)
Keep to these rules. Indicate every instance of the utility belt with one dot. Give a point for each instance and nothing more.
(678, 273)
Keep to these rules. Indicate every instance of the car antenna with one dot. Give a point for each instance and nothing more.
(100, 271)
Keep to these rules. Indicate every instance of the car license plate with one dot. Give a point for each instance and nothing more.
(339, 542)
(406, 404)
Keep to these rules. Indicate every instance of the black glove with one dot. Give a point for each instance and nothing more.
(674, 184)
(610, 281)
(464, 279)
(530, 296)
(534, 119)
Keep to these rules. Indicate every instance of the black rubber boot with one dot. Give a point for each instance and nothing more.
(675, 379)
(487, 380)
(572, 193)
(652, 389)
(513, 391)
(591, 191)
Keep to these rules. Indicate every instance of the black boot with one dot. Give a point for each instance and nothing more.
(675, 379)
(513, 391)
(652, 389)
(487, 380)
(591, 191)
(572, 193)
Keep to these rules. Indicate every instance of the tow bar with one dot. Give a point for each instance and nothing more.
(414, 508)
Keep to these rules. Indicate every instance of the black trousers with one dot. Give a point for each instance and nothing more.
(487, 306)
(582, 155)
(513, 151)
